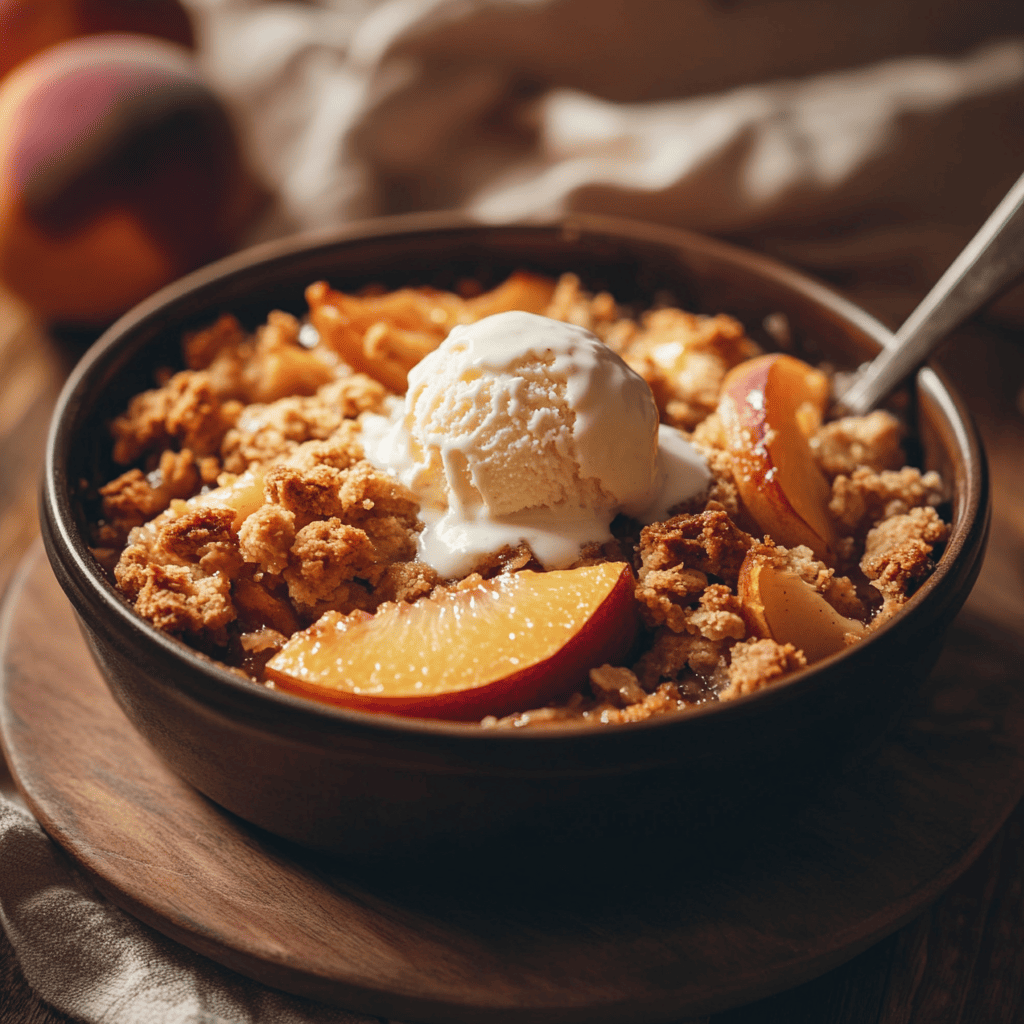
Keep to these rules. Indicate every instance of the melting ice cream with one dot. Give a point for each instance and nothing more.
(522, 428)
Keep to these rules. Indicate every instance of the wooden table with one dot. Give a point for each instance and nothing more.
(960, 961)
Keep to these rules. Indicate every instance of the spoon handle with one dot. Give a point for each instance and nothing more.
(992, 259)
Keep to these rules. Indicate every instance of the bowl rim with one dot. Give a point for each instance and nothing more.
(77, 569)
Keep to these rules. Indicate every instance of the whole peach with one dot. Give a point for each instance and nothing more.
(119, 171)
(29, 26)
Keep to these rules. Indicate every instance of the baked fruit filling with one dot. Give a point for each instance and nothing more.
(575, 514)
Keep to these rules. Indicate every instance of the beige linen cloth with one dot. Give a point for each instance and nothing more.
(864, 141)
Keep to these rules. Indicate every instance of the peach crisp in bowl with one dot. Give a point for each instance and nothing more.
(433, 535)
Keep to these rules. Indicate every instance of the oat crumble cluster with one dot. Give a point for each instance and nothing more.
(300, 524)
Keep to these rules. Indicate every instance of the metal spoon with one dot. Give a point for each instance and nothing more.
(992, 259)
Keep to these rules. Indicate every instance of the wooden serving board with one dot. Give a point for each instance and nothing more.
(667, 933)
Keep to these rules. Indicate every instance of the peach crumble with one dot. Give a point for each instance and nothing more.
(250, 522)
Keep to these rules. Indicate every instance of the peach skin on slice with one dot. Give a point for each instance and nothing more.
(509, 644)
(769, 406)
(780, 606)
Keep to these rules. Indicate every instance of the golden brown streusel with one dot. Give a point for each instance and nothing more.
(843, 445)
(135, 497)
(185, 413)
(684, 357)
(246, 510)
(865, 497)
(266, 538)
(897, 556)
(756, 664)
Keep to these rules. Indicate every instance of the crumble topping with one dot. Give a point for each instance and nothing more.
(897, 555)
(684, 357)
(843, 445)
(756, 664)
(246, 510)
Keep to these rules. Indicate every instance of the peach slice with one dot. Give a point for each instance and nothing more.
(244, 494)
(769, 406)
(781, 606)
(382, 335)
(508, 644)
(386, 335)
(520, 290)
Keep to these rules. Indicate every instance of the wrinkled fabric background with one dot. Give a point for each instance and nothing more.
(865, 142)
(862, 141)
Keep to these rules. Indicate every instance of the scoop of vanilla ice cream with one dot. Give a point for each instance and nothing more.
(522, 428)
(518, 411)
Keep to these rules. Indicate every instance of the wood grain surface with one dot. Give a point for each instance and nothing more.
(682, 930)
(961, 959)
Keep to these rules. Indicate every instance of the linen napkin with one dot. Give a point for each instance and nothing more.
(864, 142)
(98, 964)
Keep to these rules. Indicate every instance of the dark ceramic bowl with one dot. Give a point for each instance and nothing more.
(369, 786)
